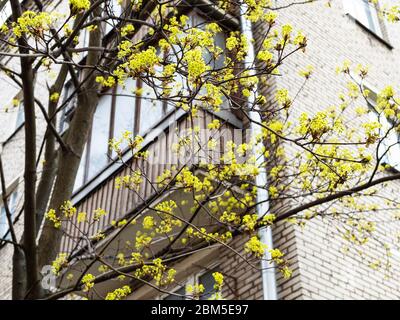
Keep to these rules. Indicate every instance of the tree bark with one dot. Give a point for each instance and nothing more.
(50, 154)
(19, 274)
(76, 138)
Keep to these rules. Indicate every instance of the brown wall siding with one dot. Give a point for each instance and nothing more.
(119, 202)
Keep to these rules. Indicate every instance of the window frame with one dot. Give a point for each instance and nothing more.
(19, 122)
(379, 29)
(88, 146)
(107, 25)
(86, 156)
(166, 112)
(388, 158)
(229, 23)
(192, 279)
(14, 118)
(68, 110)
(12, 199)
(111, 130)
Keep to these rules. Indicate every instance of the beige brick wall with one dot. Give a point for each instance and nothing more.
(243, 281)
(13, 162)
(321, 271)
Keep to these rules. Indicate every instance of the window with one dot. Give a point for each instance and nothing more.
(198, 21)
(205, 278)
(12, 205)
(114, 8)
(5, 11)
(390, 147)
(80, 176)
(17, 116)
(220, 41)
(98, 147)
(149, 105)
(118, 110)
(135, 107)
(365, 13)
(124, 106)
(20, 116)
(69, 101)
(115, 113)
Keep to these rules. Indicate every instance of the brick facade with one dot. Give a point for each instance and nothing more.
(320, 269)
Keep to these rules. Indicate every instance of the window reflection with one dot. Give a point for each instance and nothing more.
(12, 205)
(207, 280)
(98, 157)
(151, 109)
(125, 109)
(121, 109)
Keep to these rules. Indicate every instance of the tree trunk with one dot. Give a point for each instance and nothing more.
(76, 138)
(19, 274)
(50, 154)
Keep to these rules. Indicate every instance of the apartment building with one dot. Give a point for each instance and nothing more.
(322, 269)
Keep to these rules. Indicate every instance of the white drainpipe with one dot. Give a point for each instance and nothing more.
(268, 270)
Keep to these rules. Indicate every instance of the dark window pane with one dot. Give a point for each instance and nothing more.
(207, 280)
(220, 41)
(69, 107)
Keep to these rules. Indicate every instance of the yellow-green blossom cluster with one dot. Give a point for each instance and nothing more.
(59, 263)
(32, 23)
(79, 5)
(158, 271)
(119, 294)
(87, 282)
